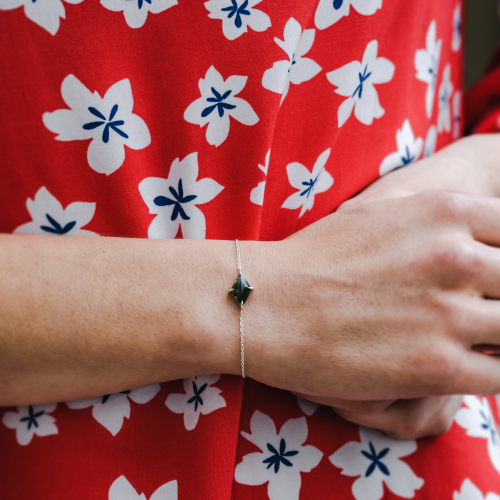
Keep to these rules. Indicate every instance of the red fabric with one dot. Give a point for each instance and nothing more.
(482, 103)
(141, 444)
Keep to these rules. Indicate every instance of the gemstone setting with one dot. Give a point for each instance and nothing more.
(241, 289)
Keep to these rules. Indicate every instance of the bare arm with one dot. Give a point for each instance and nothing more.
(383, 300)
(86, 316)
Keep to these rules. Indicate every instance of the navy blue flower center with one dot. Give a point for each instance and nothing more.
(362, 78)
(279, 457)
(32, 416)
(179, 199)
(109, 124)
(293, 62)
(310, 186)
(444, 97)
(237, 12)
(107, 396)
(376, 460)
(56, 228)
(141, 3)
(337, 4)
(433, 70)
(219, 103)
(197, 399)
(408, 158)
(488, 424)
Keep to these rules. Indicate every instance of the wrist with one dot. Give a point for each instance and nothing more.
(262, 267)
(269, 316)
(214, 337)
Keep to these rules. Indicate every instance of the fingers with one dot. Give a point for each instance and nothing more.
(484, 220)
(480, 213)
(362, 407)
(478, 321)
(461, 367)
(481, 374)
(484, 268)
(411, 419)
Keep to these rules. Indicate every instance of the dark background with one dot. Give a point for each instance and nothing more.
(482, 34)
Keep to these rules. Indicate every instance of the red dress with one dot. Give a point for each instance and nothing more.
(227, 119)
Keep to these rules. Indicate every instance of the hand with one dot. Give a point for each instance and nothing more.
(385, 299)
(403, 419)
(411, 418)
(469, 166)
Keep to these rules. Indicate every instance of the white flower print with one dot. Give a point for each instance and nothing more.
(257, 193)
(175, 200)
(136, 11)
(469, 491)
(308, 183)
(121, 489)
(445, 92)
(308, 407)
(108, 121)
(217, 103)
(427, 64)
(329, 12)
(456, 40)
(282, 459)
(31, 420)
(237, 16)
(430, 141)
(50, 218)
(200, 398)
(477, 420)
(110, 410)
(457, 114)
(356, 81)
(45, 13)
(296, 69)
(409, 150)
(376, 460)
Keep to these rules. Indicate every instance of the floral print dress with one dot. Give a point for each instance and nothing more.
(222, 119)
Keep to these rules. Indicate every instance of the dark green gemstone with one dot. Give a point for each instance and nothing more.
(241, 289)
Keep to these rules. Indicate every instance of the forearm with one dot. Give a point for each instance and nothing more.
(81, 317)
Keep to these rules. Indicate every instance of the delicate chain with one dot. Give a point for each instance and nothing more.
(238, 256)
(242, 332)
(242, 337)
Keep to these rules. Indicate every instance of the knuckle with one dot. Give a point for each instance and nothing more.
(416, 427)
(370, 408)
(442, 426)
(446, 361)
(410, 428)
(454, 259)
(447, 204)
(444, 417)
(438, 365)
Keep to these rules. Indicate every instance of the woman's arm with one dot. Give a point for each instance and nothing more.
(83, 316)
(384, 299)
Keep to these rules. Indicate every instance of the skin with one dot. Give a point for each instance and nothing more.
(450, 169)
(377, 310)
